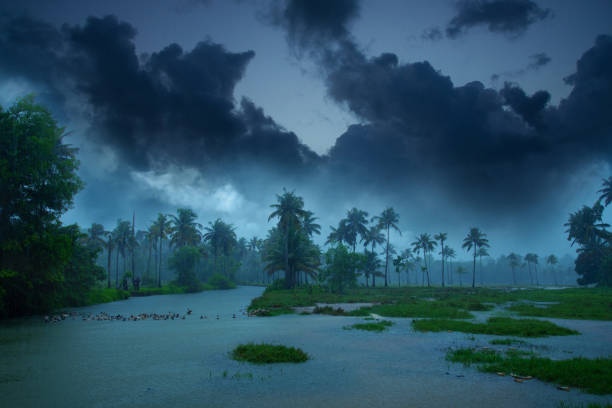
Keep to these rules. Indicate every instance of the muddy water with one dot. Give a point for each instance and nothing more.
(185, 363)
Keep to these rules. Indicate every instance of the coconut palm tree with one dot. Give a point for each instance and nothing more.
(585, 226)
(399, 264)
(514, 260)
(450, 254)
(373, 237)
(308, 224)
(482, 251)
(356, 224)
(109, 244)
(442, 237)
(461, 271)
(552, 260)
(532, 259)
(221, 237)
(425, 244)
(388, 219)
(95, 235)
(289, 210)
(184, 230)
(475, 239)
(606, 191)
(162, 227)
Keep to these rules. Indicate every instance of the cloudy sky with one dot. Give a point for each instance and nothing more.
(488, 113)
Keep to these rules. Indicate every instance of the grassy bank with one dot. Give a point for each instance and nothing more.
(106, 295)
(504, 326)
(591, 375)
(574, 303)
(268, 353)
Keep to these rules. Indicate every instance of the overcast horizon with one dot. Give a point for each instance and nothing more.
(491, 114)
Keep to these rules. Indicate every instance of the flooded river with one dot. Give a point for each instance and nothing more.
(185, 363)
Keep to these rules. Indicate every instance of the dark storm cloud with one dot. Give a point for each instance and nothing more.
(510, 17)
(172, 107)
(530, 108)
(538, 60)
(313, 23)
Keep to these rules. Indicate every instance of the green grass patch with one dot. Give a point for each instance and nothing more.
(268, 353)
(375, 327)
(107, 295)
(592, 308)
(591, 375)
(507, 342)
(504, 326)
(414, 308)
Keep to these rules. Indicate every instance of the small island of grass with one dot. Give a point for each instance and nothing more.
(268, 353)
(504, 326)
(374, 326)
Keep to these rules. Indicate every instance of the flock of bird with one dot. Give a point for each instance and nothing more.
(103, 316)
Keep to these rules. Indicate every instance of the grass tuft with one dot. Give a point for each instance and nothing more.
(591, 375)
(268, 353)
(504, 326)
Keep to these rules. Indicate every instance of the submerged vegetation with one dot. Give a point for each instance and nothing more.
(374, 326)
(268, 353)
(591, 375)
(503, 326)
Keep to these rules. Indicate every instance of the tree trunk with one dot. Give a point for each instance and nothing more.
(442, 263)
(109, 264)
(387, 257)
(474, 270)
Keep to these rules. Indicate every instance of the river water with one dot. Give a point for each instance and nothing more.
(185, 363)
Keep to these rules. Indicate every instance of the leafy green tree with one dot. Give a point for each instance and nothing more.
(183, 261)
(356, 225)
(308, 224)
(38, 180)
(442, 237)
(184, 230)
(386, 220)
(369, 265)
(475, 239)
(340, 268)
(606, 191)
(222, 238)
(304, 256)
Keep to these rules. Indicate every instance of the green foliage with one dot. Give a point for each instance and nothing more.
(504, 326)
(591, 375)
(218, 281)
(506, 342)
(268, 353)
(415, 308)
(340, 268)
(375, 327)
(183, 261)
(106, 295)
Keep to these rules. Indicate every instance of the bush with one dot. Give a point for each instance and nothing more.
(268, 353)
(218, 281)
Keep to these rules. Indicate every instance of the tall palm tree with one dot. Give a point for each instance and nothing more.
(482, 251)
(442, 237)
(450, 254)
(475, 239)
(606, 191)
(388, 219)
(162, 226)
(109, 244)
(289, 210)
(221, 237)
(121, 235)
(184, 230)
(373, 237)
(95, 235)
(586, 227)
(408, 263)
(552, 261)
(514, 260)
(356, 224)
(533, 259)
(399, 264)
(337, 235)
(308, 224)
(425, 244)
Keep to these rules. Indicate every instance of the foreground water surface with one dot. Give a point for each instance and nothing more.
(185, 363)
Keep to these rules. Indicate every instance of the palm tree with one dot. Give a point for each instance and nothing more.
(409, 263)
(388, 219)
(121, 235)
(532, 259)
(586, 227)
(184, 230)
(450, 254)
(162, 226)
(304, 255)
(150, 236)
(289, 210)
(425, 244)
(356, 221)
(482, 251)
(109, 244)
(461, 271)
(221, 236)
(606, 191)
(475, 239)
(308, 224)
(442, 237)
(373, 237)
(552, 261)
(337, 235)
(95, 234)
(398, 262)
(514, 260)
